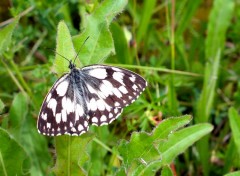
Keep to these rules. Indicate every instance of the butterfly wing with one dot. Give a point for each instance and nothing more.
(94, 95)
(61, 113)
(113, 89)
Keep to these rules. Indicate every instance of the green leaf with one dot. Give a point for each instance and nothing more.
(219, 20)
(23, 128)
(120, 43)
(100, 42)
(232, 157)
(17, 114)
(71, 154)
(179, 141)
(12, 155)
(6, 36)
(64, 48)
(144, 147)
(147, 11)
(166, 171)
(146, 153)
(234, 119)
(37, 147)
(1, 106)
(236, 173)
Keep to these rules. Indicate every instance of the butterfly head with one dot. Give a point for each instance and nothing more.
(71, 65)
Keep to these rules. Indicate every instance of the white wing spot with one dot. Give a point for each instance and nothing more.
(62, 88)
(117, 92)
(103, 118)
(85, 123)
(98, 73)
(108, 84)
(110, 115)
(118, 76)
(133, 78)
(44, 116)
(93, 104)
(58, 117)
(80, 110)
(134, 87)
(69, 106)
(115, 110)
(64, 115)
(94, 120)
(123, 89)
(91, 90)
(80, 127)
(116, 104)
(48, 125)
(100, 104)
(106, 90)
(52, 105)
(73, 129)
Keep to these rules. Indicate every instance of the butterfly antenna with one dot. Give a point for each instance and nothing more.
(80, 49)
(58, 54)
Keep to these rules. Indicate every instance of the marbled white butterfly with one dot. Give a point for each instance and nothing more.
(92, 95)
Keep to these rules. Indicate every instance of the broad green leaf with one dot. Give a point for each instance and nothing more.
(1, 105)
(100, 42)
(185, 16)
(176, 144)
(23, 128)
(6, 35)
(17, 114)
(64, 48)
(37, 147)
(219, 21)
(12, 155)
(236, 173)
(146, 153)
(144, 147)
(232, 157)
(71, 154)
(147, 12)
(166, 171)
(234, 119)
(120, 43)
(179, 141)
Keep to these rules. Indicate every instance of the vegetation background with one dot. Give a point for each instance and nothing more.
(188, 51)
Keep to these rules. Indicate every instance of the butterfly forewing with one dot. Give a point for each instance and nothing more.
(93, 95)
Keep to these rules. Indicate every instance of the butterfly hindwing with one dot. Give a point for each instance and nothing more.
(93, 95)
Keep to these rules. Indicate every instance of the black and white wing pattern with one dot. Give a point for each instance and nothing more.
(92, 95)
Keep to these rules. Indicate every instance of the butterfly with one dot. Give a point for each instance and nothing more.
(92, 95)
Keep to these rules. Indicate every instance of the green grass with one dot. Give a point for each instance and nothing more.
(187, 120)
